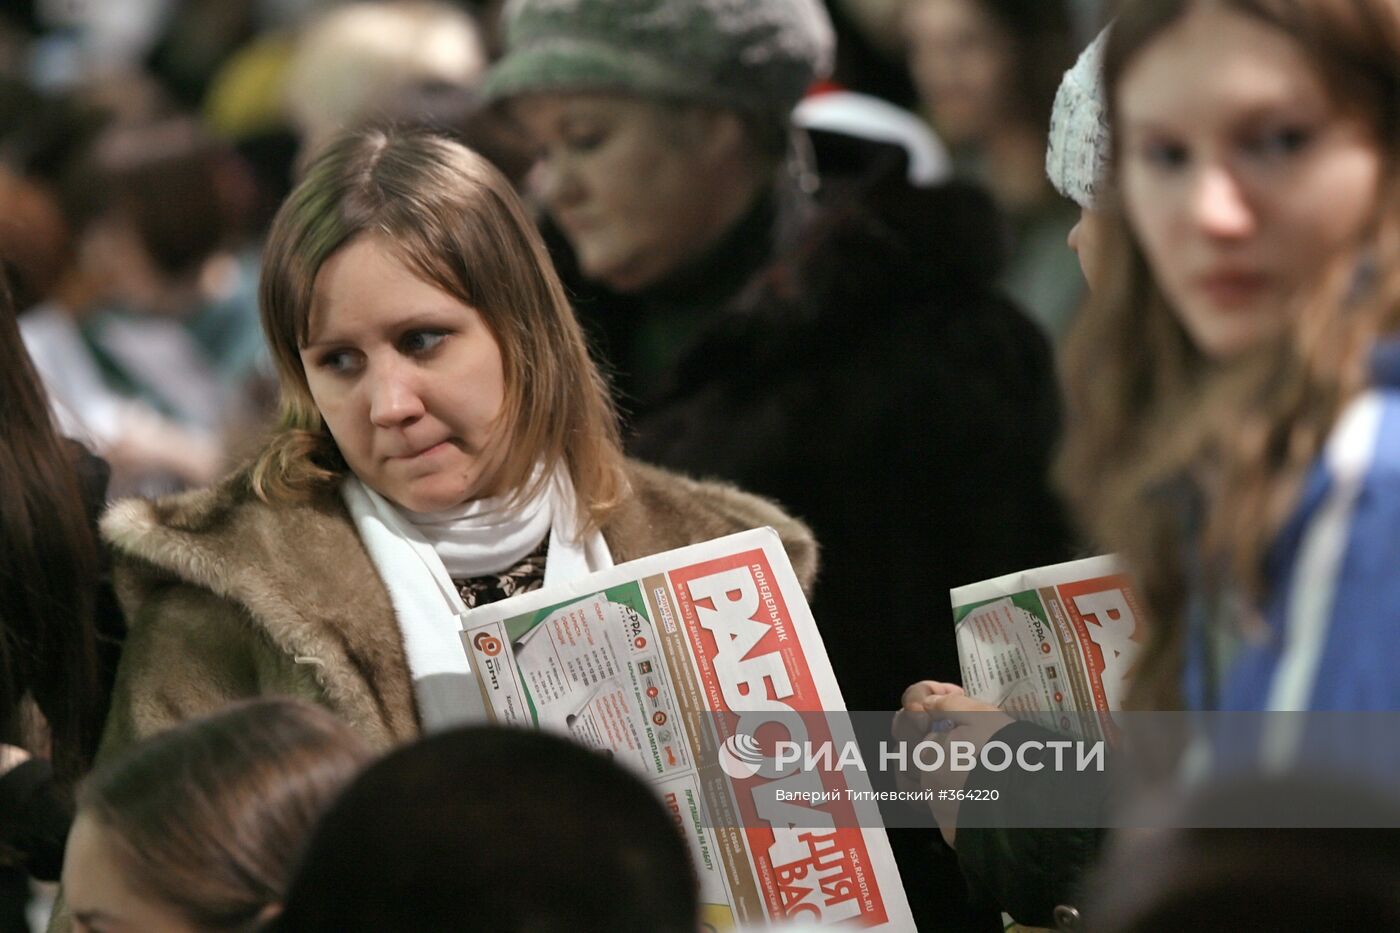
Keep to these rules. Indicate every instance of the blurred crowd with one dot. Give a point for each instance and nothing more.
(867, 261)
(153, 141)
(144, 145)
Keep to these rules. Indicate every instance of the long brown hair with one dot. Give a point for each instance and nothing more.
(455, 221)
(1165, 453)
(48, 564)
(210, 818)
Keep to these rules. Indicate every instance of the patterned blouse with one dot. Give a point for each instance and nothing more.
(525, 576)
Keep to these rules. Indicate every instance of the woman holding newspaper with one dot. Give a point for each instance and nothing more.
(1234, 382)
(445, 441)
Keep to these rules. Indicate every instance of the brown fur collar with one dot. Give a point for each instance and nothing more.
(301, 572)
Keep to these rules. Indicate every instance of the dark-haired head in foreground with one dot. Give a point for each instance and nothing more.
(494, 829)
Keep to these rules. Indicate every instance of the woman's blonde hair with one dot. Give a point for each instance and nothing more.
(455, 221)
(1166, 455)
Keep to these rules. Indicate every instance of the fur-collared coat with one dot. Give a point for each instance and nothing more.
(227, 598)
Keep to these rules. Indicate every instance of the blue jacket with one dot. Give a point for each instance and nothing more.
(1330, 642)
(1331, 638)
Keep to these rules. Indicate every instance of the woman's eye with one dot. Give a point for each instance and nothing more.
(339, 362)
(1282, 142)
(1165, 155)
(585, 140)
(418, 342)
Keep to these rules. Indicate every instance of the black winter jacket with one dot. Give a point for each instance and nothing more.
(858, 366)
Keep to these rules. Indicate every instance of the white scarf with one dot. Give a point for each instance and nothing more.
(486, 536)
(409, 549)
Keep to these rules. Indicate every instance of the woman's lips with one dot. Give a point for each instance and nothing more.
(1232, 288)
(425, 452)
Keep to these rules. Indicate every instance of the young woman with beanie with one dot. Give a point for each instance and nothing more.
(1233, 381)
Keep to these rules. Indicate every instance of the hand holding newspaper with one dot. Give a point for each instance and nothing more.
(1056, 645)
(1052, 642)
(672, 664)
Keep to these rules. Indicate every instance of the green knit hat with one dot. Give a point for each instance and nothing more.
(757, 56)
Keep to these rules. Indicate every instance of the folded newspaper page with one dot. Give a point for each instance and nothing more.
(1052, 642)
(665, 663)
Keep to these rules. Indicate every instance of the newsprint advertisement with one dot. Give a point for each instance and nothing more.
(1050, 643)
(673, 664)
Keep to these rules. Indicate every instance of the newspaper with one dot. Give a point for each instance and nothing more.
(1052, 643)
(665, 663)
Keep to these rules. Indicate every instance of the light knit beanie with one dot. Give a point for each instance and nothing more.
(351, 61)
(757, 56)
(1076, 158)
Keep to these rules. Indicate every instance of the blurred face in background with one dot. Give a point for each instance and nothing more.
(638, 188)
(1241, 179)
(410, 380)
(962, 64)
(123, 271)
